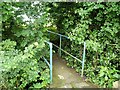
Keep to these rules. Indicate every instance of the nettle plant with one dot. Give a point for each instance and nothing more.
(22, 69)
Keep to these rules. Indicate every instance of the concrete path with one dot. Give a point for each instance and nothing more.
(66, 77)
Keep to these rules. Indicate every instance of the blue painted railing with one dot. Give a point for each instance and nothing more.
(49, 63)
(60, 49)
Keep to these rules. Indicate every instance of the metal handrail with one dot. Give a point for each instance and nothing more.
(60, 49)
(68, 53)
(58, 34)
(49, 64)
(60, 39)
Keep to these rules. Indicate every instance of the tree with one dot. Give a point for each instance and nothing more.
(22, 46)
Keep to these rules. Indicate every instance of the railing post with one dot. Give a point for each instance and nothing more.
(60, 46)
(50, 62)
(49, 34)
(83, 59)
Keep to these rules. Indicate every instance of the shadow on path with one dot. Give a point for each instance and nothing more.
(66, 77)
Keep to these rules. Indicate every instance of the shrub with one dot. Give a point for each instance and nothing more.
(22, 69)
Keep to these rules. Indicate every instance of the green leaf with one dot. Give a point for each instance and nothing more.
(106, 78)
(37, 85)
(102, 74)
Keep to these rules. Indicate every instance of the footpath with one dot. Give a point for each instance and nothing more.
(66, 77)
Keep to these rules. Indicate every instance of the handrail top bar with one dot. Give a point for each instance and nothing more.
(61, 35)
(52, 43)
(58, 34)
(48, 42)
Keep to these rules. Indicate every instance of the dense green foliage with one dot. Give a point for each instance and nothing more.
(22, 69)
(23, 47)
(18, 27)
(98, 25)
(24, 27)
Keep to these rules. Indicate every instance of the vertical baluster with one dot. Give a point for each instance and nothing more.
(60, 46)
(83, 59)
(50, 62)
(49, 35)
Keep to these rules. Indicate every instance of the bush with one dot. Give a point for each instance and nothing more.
(22, 69)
